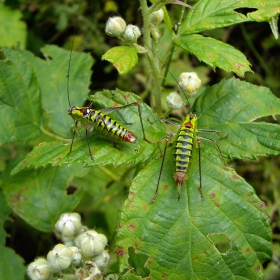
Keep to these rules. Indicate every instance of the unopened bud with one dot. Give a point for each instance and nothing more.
(156, 17)
(131, 33)
(115, 26)
(174, 101)
(59, 258)
(189, 82)
(39, 270)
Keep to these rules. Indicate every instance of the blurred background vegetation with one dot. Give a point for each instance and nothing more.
(56, 22)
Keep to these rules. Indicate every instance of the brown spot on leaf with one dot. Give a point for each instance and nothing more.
(212, 195)
(59, 159)
(258, 268)
(120, 252)
(165, 187)
(210, 55)
(131, 227)
(248, 250)
(132, 193)
(127, 96)
(238, 66)
(234, 177)
(262, 205)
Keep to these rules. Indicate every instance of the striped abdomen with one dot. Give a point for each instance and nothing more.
(88, 117)
(183, 148)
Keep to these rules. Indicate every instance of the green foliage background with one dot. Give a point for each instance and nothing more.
(46, 182)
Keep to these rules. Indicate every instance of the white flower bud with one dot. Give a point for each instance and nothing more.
(59, 258)
(91, 243)
(76, 255)
(174, 101)
(93, 272)
(69, 224)
(131, 33)
(39, 270)
(156, 17)
(102, 260)
(189, 82)
(115, 26)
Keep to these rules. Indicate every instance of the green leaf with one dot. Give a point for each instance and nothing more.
(55, 153)
(171, 232)
(210, 15)
(123, 58)
(233, 107)
(52, 76)
(4, 213)
(12, 29)
(39, 196)
(11, 265)
(215, 53)
(20, 99)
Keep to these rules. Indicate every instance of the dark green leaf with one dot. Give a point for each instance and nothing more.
(171, 232)
(52, 76)
(11, 265)
(233, 107)
(4, 212)
(215, 53)
(216, 14)
(55, 153)
(39, 196)
(123, 58)
(20, 99)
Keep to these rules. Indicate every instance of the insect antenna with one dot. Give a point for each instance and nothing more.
(70, 56)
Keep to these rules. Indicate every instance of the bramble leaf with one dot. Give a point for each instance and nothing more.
(56, 152)
(215, 53)
(210, 15)
(171, 232)
(123, 58)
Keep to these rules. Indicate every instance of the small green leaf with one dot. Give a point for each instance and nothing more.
(215, 53)
(123, 58)
(20, 99)
(12, 29)
(171, 232)
(210, 15)
(39, 196)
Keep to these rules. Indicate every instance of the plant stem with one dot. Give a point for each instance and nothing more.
(147, 42)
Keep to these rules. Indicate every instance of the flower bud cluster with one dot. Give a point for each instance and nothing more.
(83, 251)
(116, 27)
